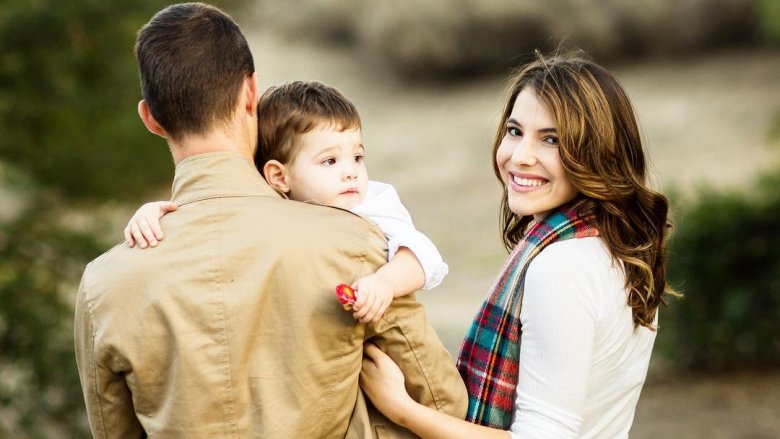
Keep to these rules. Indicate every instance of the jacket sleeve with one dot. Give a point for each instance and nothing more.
(109, 402)
(431, 377)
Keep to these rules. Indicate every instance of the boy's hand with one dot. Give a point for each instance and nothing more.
(144, 227)
(373, 297)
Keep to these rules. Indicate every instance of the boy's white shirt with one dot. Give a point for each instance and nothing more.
(382, 206)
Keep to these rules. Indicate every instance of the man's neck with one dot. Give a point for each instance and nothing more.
(214, 141)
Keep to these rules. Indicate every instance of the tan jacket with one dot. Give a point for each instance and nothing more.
(231, 329)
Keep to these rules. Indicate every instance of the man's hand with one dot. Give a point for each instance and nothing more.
(374, 295)
(144, 226)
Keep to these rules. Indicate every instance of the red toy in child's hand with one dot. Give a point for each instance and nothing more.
(346, 296)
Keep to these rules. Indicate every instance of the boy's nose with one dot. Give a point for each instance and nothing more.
(349, 172)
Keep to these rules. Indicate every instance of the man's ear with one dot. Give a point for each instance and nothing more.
(149, 121)
(251, 93)
(276, 175)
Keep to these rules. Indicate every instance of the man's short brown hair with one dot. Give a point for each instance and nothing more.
(193, 60)
(287, 111)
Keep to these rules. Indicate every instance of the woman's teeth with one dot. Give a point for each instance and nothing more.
(528, 181)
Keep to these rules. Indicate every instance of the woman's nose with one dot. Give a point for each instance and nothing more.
(524, 153)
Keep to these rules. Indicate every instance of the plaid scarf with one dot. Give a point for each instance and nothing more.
(489, 356)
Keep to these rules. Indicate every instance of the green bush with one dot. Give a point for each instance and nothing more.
(725, 257)
(40, 265)
(68, 94)
(769, 18)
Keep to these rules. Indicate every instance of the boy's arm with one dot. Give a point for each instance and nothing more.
(383, 206)
(401, 276)
(403, 273)
(405, 334)
(144, 226)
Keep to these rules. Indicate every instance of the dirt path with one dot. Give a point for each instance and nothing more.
(705, 121)
(741, 406)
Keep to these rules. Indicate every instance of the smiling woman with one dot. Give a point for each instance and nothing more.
(561, 346)
(529, 162)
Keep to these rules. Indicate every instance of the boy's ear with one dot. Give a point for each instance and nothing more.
(276, 175)
(149, 121)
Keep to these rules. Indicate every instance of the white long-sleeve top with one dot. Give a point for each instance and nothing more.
(582, 361)
(383, 206)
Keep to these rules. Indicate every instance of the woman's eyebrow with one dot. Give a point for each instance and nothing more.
(514, 121)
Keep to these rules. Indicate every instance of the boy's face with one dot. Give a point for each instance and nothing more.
(329, 168)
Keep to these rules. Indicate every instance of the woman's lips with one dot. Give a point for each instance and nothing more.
(522, 182)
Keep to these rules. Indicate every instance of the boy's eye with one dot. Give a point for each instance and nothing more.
(358, 158)
(329, 161)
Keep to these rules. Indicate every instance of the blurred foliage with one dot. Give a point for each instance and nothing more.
(725, 258)
(769, 15)
(68, 94)
(72, 138)
(41, 263)
(456, 38)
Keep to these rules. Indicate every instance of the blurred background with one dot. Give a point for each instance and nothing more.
(428, 79)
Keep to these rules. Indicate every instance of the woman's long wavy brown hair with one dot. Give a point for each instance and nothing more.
(602, 154)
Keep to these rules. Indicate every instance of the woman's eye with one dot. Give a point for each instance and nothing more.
(552, 140)
(514, 131)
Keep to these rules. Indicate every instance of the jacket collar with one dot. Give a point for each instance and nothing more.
(216, 175)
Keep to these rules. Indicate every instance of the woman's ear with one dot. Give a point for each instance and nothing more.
(276, 175)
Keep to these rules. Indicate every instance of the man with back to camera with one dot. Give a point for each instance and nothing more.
(232, 328)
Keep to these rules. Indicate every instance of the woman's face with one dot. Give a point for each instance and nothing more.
(529, 160)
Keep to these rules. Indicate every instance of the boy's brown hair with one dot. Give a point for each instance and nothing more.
(287, 111)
